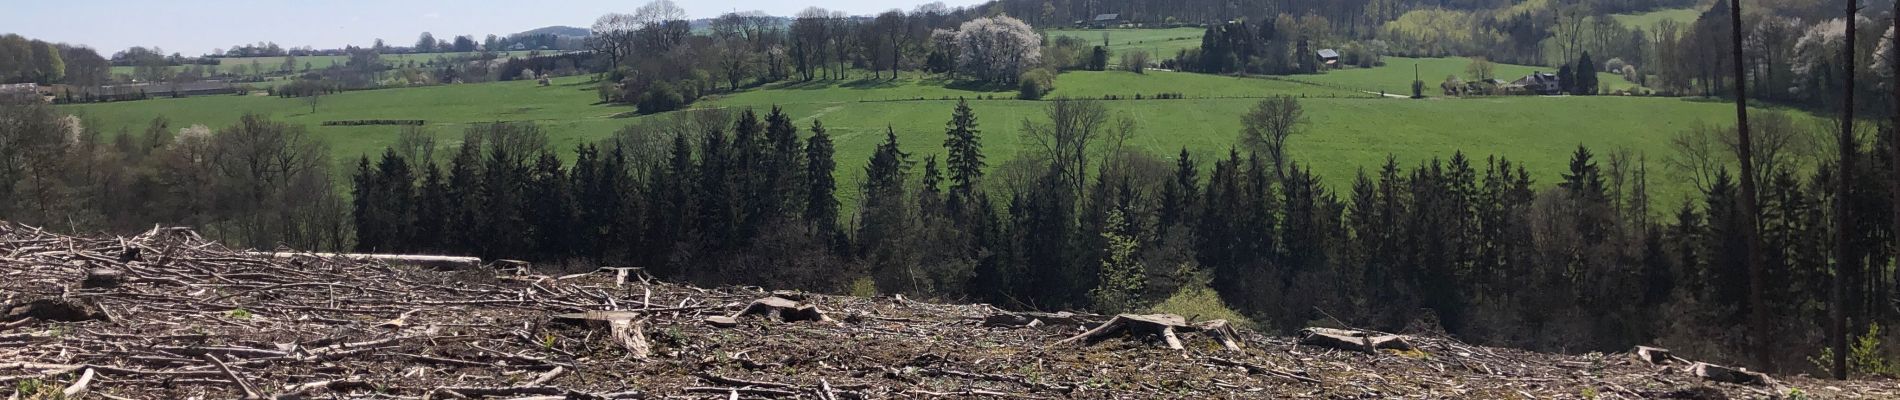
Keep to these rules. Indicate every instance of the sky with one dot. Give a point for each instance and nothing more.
(195, 27)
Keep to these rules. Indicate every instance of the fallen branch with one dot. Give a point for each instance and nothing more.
(79, 386)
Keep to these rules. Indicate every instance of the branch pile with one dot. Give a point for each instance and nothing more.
(167, 314)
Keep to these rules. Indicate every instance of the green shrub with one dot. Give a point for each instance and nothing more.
(1195, 300)
(1863, 356)
(1035, 83)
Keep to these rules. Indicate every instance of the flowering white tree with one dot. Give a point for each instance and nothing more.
(997, 49)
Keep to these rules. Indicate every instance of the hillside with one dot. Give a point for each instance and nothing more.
(557, 31)
(187, 318)
(1347, 130)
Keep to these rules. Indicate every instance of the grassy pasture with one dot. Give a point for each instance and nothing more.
(1648, 20)
(1161, 43)
(1396, 76)
(1345, 133)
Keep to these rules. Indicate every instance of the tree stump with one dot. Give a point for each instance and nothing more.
(1729, 375)
(1163, 327)
(1353, 340)
(622, 326)
(1652, 355)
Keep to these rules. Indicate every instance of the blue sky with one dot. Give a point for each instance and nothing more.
(198, 26)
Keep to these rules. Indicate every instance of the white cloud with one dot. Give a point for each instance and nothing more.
(432, 15)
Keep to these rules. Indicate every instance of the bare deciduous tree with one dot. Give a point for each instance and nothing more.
(1266, 128)
(1780, 144)
(1074, 126)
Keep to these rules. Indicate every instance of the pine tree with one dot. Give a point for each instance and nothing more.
(464, 215)
(964, 155)
(718, 194)
(821, 199)
(1586, 76)
(747, 173)
(432, 208)
(887, 225)
(369, 230)
(396, 201)
(550, 209)
(782, 167)
(1178, 196)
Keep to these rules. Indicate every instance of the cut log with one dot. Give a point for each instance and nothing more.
(1353, 340)
(1221, 332)
(102, 278)
(438, 262)
(52, 309)
(623, 326)
(1729, 375)
(783, 309)
(1160, 326)
(722, 322)
(1652, 355)
(1033, 319)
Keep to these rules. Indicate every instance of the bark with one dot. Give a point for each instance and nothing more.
(1844, 257)
(1745, 149)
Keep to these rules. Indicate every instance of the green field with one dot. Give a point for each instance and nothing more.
(1648, 20)
(275, 63)
(1396, 76)
(1345, 133)
(1161, 43)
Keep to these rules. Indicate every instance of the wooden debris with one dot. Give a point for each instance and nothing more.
(1353, 340)
(308, 327)
(622, 326)
(438, 262)
(781, 309)
(102, 278)
(1164, 327)
(55, 309)
(1652, 355)
(79, 386)
(1729, 375)
(722, 321)
(1035, 319)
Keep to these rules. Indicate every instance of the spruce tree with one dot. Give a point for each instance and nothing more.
(963, 146)
(395, 201)
(747, 173)
(782, 167)
(550, 209)
(1586, 75)
(821, 199)
(432, 207)
(369, 230)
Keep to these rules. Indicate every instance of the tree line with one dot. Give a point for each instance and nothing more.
(1472, 246)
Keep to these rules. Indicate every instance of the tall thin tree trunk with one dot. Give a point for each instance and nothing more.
(1844, 262)
(1745, 149)
(1893, 142)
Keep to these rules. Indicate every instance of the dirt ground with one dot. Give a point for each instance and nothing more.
(184, 318)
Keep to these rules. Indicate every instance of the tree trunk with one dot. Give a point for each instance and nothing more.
(1758, 312)
(1893, 141)
(1844, 261)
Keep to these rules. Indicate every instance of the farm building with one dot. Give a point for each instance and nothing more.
(1329, 57)
(1537, 82)
(23, 90)
(1105, 21)
(169, 89)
